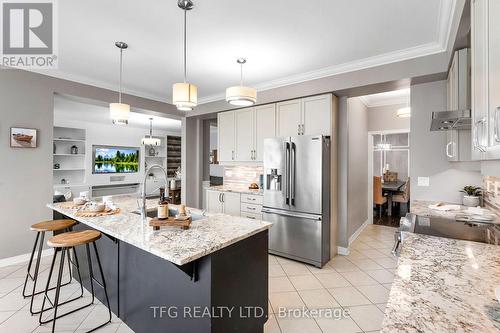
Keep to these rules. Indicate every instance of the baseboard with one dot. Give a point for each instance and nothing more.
(358, 232)
(21, 259)
(343, 251)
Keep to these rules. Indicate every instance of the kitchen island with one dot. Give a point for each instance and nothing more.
(444, 285)
(212, 277)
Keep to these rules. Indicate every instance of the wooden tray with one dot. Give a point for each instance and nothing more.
(171, 221)
(108, 211)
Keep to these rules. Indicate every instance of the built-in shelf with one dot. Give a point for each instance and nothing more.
(70, 169)
(67, 185)
(156, 156)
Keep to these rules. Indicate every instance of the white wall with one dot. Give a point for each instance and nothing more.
(103, 133)
(427, 155)
(357, 178)
(383, 118)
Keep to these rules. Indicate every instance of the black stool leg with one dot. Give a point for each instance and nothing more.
(45, 296)
(28, 275)
(58, 288)
(103, 286)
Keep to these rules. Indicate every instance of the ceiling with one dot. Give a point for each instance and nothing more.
(395, 97)
(72, 110)
(285, 41)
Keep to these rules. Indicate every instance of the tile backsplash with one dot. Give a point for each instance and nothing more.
(242, 176)
(491, 194)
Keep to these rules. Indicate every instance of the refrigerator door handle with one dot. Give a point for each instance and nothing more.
(292, 174)
(287, 173)
(292, 214)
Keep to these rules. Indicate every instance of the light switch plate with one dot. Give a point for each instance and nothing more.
(423, 181)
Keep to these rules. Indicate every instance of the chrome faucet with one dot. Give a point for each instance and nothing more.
(143, 194)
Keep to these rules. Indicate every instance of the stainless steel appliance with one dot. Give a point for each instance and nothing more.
(297, 197)
(464, 229)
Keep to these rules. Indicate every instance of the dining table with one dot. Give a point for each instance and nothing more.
(389, 188)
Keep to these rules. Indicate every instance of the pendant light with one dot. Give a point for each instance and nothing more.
(241, 95)
(185, 95)
(149, 140)
(406, 111)
(120, 112)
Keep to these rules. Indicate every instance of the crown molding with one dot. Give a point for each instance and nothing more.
(379, 60)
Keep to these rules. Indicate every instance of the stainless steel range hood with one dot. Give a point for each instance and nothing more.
(448, 120)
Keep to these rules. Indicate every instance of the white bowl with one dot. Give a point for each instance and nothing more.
(96, 207)
(79, 201)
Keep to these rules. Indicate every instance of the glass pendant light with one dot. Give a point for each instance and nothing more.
(120, 112)
(241, 95)
(149, 140)
(185, 95)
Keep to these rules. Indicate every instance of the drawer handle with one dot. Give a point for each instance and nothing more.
(251, 208)
(251, 217)
(251, 199)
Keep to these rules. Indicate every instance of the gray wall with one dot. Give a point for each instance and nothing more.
(357, 178)
(383, 118)
(427, 155)
(26, 100)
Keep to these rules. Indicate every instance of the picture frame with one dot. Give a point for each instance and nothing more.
(21, 137)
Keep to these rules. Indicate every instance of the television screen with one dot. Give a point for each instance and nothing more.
(115, 160)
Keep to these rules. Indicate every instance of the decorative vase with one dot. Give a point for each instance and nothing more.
(152, 151)
(74, 150)
(471, 201)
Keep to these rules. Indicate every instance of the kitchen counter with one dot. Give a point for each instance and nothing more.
(444, 285)
(178, 246)
(221, 261)
(421, 208)
(237, 189)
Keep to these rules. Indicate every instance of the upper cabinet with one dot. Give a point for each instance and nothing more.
(265, 127)
(306, 116)
(289, 118)
(242, 132)
(226, 135)
(485, 40)
(316, 115)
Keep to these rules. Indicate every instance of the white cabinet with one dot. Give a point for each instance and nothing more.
(306, 116)
(289, 116)
(316, 115)
(214, 202)
(485, 42)
(494, 79)
(244, 131)
(265, 127)
(223, 202)
(231, 203)
(226, 135)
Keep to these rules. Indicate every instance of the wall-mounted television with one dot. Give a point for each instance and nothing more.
(111, 159)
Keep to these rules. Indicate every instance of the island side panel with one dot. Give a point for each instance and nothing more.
(240, 282)
(157, 296)
(108, 254)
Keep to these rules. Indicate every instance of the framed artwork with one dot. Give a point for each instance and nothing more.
(23, 137)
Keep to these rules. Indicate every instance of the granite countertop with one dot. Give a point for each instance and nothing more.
(421, 208)
(178, 246)
(444, 285)
(237, 189)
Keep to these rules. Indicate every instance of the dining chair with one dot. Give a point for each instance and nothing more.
(403, 196)
(378, 197)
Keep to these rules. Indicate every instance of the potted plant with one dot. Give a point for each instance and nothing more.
(471, 197)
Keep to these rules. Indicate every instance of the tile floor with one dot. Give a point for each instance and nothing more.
(359, 282)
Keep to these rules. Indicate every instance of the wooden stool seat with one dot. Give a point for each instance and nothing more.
(52, 225)
(74, 238)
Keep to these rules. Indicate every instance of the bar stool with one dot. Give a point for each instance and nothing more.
(63, 243)
(56, 226)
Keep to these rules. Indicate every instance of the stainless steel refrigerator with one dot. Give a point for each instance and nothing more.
(297, 197)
